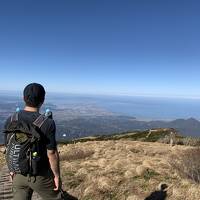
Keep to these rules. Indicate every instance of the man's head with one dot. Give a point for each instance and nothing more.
(34, 95)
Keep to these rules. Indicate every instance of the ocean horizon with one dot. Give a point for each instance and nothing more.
(142, 108)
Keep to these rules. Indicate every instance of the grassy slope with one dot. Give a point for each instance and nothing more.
(136, 136)
(122, 167)
(122, 170)
(119, 168)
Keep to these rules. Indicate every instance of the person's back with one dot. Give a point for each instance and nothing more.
(47, 182)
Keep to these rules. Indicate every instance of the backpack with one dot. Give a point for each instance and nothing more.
(23, 145)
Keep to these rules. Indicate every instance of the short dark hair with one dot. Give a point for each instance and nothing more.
(34, 94)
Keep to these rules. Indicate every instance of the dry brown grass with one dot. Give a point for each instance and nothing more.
(187, 141)
(126, 170)
(123, 170)
(2, 157)
(187, 164)
(190, 141)
(75, 154)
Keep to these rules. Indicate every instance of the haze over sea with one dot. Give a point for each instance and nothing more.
(143, 108)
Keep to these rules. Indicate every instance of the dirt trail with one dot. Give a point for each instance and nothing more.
(6, 186)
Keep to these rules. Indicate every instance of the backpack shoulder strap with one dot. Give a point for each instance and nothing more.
(15, 117)
(40, 121)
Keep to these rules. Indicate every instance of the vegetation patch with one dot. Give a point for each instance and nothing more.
(74, 182)
(158, 135)
(76, 154)
(187, 164)
(2, 157)
(150, 174)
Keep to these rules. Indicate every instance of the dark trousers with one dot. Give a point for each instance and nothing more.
(23, 187)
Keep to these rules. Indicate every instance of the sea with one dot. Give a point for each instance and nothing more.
(142, 108)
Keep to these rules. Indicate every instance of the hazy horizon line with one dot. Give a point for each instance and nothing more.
(20, 92)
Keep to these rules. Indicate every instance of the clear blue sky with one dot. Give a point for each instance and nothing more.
(134, 47)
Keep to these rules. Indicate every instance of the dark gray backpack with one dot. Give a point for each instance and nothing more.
(23, 145)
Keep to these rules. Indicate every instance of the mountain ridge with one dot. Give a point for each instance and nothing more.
(82, 127)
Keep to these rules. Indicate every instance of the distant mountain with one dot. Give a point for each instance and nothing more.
(82, 127)
(189, 126)
(76, 120)
(107, 125)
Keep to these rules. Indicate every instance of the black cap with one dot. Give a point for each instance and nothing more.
(34, 94)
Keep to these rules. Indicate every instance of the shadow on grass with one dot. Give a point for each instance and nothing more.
(158, 194)
(67, 196)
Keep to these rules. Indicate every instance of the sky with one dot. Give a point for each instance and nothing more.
(121, 47)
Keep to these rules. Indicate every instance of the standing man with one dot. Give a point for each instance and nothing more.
(47, 182)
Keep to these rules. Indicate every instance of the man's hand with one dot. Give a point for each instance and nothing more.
(11, 176)
(58, 183)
